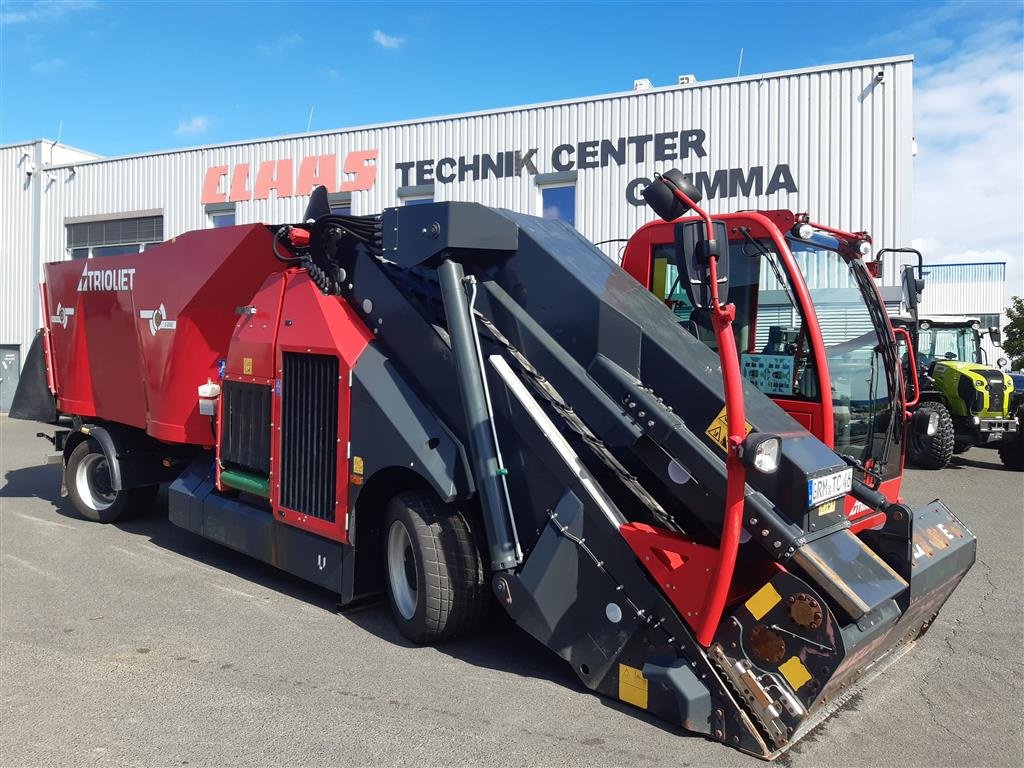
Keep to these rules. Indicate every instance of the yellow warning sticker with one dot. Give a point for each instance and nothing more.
(795, 672)
(763, 601)
(718, 430)
(632, 686)
(827, 508)
(357, 465)
(247, 366)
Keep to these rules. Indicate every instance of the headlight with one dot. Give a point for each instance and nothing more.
(803, 231)
(761, 451)
(863, 247)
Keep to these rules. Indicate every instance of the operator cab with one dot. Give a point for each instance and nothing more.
(810, 327)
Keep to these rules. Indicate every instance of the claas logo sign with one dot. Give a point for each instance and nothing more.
(230, 184)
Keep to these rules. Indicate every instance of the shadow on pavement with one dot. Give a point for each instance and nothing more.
(997, 464)
(499, 645)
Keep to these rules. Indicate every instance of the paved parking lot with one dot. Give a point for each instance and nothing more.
(141, 643)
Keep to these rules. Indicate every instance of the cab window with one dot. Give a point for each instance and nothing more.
(775, 355)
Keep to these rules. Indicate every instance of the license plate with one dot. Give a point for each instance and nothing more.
(829, 487)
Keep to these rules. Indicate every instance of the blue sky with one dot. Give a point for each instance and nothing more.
(128, 77)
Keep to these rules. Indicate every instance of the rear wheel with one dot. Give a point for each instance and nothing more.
(933, 451)
(87, 478)
(436, 578)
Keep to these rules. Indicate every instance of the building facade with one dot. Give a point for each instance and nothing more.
(833, 141)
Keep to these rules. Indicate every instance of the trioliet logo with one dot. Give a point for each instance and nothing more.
(122, 279)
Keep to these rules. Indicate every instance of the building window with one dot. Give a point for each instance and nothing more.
(113, 237)
(416, 195)
(340, 203)
(988, 321)
(221, 214)
(559, 203)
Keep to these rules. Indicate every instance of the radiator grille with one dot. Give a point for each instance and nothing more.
(309, 434)
(245, 431)
(996, 391)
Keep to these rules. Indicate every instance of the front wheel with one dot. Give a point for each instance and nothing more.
(87, 478)
(436, 579)
(1011, 452)
(933, 451)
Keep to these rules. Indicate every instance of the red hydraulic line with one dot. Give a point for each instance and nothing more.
(732, 524)
(912, 364)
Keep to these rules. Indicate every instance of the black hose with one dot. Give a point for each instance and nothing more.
(277, 254)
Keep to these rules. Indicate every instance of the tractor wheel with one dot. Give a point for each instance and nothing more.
(1011, 452)
(436, 577)
(87, 478)
(933, 451)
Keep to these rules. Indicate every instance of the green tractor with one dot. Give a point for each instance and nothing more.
(976, 404)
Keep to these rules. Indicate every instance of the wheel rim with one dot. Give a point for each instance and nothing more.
(92, 480)
(402, 570)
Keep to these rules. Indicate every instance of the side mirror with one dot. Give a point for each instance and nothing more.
(694, 252)
(912, 289)
(996, 336)
(661, 197)
(1002, 363)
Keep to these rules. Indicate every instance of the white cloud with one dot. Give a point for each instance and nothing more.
(48, 66)
(385, 40)
(284, 42)
(193, 126)
(969, 126)
(41, 10)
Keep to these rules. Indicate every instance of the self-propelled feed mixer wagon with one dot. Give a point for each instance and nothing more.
(459, 405)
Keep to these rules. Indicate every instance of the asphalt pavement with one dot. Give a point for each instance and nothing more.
(139, 643)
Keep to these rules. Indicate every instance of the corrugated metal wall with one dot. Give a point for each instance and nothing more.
(18, 196)
(844, 133)
(22, 235)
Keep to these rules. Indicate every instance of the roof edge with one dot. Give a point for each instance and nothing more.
(499, 110)
(51, 142)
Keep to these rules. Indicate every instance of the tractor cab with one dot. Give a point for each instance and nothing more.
(949, 339)
(810, 327)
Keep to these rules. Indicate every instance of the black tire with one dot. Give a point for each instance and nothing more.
(436, 577)
(87, 479)
(1011, 453)
(934, 451)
